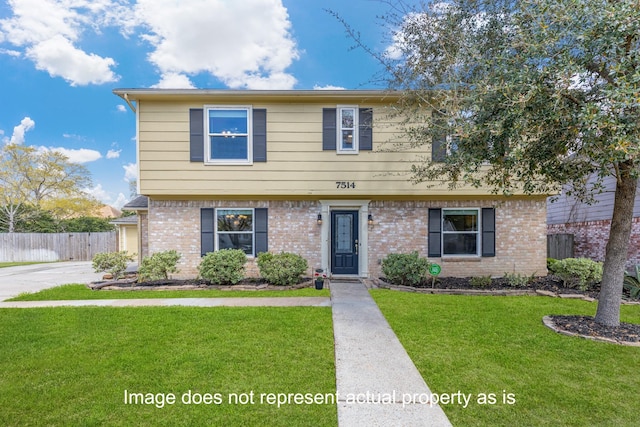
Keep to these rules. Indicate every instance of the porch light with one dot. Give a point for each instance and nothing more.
(319, 219)
(370, 219)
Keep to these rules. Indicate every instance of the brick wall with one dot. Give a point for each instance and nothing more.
(399, 226)
(590, 239)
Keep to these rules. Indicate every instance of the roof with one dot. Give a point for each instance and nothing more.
(138, 203)
(133, 94)
(132, 219)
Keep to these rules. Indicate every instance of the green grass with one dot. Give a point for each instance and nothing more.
(499, 345)
(15, 264)
(81, 292)
(71, 366)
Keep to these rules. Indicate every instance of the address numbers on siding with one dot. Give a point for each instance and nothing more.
(345, 185)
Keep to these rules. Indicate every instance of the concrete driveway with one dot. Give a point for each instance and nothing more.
(35, 277)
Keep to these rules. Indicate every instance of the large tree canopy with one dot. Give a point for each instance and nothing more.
(30, 178)
(531, 94)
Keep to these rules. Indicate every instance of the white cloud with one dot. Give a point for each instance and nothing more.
(174, 81)
(130, 171)
(121, 108)
(120, 201)
(19, 131)
(99, 193)
(327, 87)
(245, 44)
(49, 31)
(113, 154)
(81, 155)
(60, 58)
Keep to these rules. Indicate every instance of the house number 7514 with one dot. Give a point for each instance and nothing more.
(345, 184)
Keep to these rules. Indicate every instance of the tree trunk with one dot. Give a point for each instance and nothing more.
(608, 312)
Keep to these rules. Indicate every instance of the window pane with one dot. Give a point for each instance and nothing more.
(460, 220)
(229, 148)
(242, 241)
(347, 140)
(235, 220)
(347, 118)
(460, 244)
(228, 121)
(344, 233)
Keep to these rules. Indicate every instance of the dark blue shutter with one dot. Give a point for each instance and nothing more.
(196, 134)
(366, 129)
(434, 244)
(207, 231)
(488, 232)
(329, 128)
(261, 224)
(439, 137)
(260, 135)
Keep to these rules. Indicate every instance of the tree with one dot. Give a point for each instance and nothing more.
(531, 94)
(32, 177)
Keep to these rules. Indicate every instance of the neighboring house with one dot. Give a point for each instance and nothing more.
(303, 172)
(135, 227)
(590, 224)
(127, 232)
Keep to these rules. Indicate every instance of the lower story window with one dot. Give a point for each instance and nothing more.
(460, 232)
(234, 229)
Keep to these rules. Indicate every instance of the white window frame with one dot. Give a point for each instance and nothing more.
(356, 129)
(478, 232)
(253, 228)
(208, 135)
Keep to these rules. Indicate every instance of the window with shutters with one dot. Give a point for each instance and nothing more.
(460, 232)
(347, 130)
(234, 229)
(229, 138)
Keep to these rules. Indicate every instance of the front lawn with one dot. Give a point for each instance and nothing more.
(81, 292)
(499, 345)
(72, 366)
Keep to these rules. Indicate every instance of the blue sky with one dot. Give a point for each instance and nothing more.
(61, 59)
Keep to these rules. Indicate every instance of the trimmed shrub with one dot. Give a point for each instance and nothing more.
(283, 269)
(223, 267)
(517, 280)
(551, 264)
(480, 281)
(114, 263)
(405, 269)
(159, 265)
(581, 273)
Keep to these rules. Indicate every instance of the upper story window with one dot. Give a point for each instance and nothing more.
(347, 130)
(229, 137)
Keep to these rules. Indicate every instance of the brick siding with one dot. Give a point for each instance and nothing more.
(590, 239)
(399, 226)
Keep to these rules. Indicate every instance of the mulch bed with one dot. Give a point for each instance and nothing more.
(194, 284)
(587, 327)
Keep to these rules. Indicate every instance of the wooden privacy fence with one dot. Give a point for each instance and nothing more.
(18, 247)
(560, 246)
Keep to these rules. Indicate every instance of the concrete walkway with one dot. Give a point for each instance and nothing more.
(377, 383)
(36, 277)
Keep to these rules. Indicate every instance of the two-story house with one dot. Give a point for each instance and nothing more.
(304, 172)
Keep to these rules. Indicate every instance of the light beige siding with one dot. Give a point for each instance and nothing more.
(296, 163)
